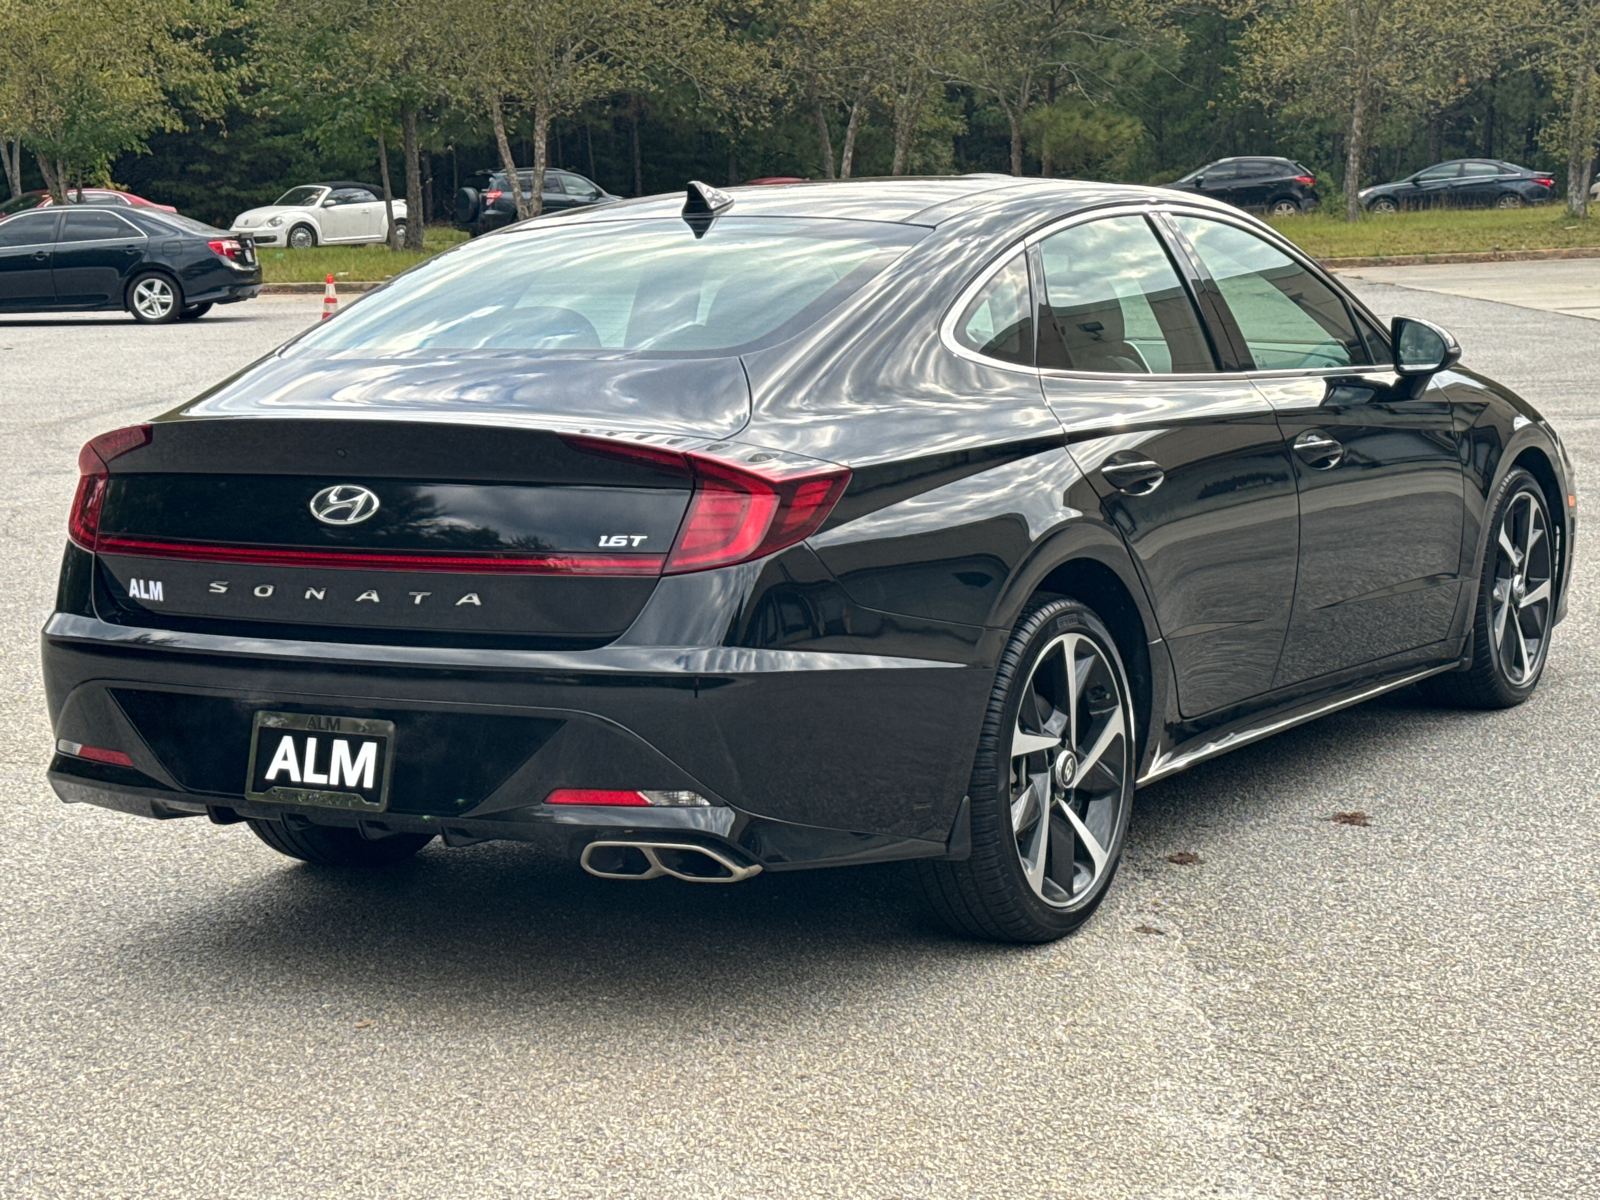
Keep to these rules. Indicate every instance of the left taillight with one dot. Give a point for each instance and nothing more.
(741, 508)
(94, 474)
(227, 247)
(1306, 180)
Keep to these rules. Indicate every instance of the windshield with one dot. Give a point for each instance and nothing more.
(300, 197)
(647, 285)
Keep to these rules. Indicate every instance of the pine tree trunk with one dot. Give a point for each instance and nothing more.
(907, 116)
(1578, 142)
(638, 157)
(497, 113)
(415, 217)
(541, 153)
(1016, 141)
(11, 153)
(388, 192)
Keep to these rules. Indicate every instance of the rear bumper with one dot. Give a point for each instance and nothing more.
(809, 758)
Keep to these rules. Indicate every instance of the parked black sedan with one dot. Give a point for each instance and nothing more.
(1463, 183)
(797, 527)
(1279, 186)
(158, 266)
(486, 203)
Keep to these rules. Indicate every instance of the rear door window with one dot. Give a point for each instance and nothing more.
(1114, 303)
(1290, 319)
(95, 227)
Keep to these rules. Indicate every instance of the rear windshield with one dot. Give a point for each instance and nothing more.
(644, 285)
(175, 221)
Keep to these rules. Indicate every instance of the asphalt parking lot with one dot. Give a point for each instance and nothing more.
(1312, 1010)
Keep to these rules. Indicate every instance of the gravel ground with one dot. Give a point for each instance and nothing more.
(1313, 1010)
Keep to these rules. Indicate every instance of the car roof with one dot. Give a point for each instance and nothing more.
(346, 183)
(913, 200)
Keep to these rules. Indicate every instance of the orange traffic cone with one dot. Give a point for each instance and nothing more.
(330, 299)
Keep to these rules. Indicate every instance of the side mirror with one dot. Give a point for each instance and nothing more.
(330, 203)
(1421, 347)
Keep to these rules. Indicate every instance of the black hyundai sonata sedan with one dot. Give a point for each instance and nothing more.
(799, 527)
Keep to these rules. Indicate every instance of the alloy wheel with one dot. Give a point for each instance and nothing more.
(1285, 208)
(1520, 602)
(301, 238)
(1384, 206)
(1070, 762)
(153, 298)
(1509, 200)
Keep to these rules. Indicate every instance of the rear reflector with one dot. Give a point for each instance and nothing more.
(83, 523)
(739, 510)
(358, 560)
(627, 799)
(94, 753)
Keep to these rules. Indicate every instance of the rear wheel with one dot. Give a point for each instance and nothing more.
(1051, 788)
(335, 846)
(154, 299)
(1509, 200)
(1286, 207)
(1516, 605)
(195, 311)
(400, 233)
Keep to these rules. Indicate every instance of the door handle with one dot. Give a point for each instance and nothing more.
(1134, 476)
(40, 255)
(1318, 451)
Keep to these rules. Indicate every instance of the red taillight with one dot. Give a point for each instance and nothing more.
(227, 247)
(1545, 181)
(94, 472)
(94, 753)
(491, 196)
(1307, 180)
(596, 796)
(738, 510)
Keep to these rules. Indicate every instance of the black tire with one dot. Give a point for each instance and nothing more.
(195, 311)
(1285, 206)
(1492, 679)
(989, 895)
(301, 237)
(1383, 205)
(336, 846)
(1508, 200)
(154, 298)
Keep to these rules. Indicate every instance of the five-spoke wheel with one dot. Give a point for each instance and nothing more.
(1052, 784)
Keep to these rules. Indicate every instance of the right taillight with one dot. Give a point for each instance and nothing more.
(740, 509)
(94, 474)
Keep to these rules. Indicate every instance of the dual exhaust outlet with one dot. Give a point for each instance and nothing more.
(652, 860)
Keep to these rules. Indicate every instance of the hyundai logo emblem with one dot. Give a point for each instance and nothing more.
(343, 504)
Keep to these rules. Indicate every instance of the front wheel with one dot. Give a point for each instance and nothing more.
(1516, 605)
(302, 237)
(154, 299)
(336, 846)
(1384, 205)
(1052, 785)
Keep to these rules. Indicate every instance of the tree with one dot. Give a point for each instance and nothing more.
(86, 80)
(830, 47)
(1570, 39)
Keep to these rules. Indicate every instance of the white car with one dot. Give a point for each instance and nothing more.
(338, 212)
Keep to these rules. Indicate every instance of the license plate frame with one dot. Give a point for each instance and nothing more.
(322, 794)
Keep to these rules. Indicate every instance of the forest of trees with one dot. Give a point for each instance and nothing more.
(217, 105)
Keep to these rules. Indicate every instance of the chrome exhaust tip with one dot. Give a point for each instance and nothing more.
(652, 860)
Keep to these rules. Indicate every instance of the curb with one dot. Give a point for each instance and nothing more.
(1422, 260)
(315, 289)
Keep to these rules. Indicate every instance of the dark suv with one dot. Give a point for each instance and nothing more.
(1279, 186)
(486, 202)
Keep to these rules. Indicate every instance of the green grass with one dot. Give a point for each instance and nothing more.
(350, 263)
(1326, 234)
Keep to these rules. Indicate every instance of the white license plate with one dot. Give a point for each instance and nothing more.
(325, 762)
